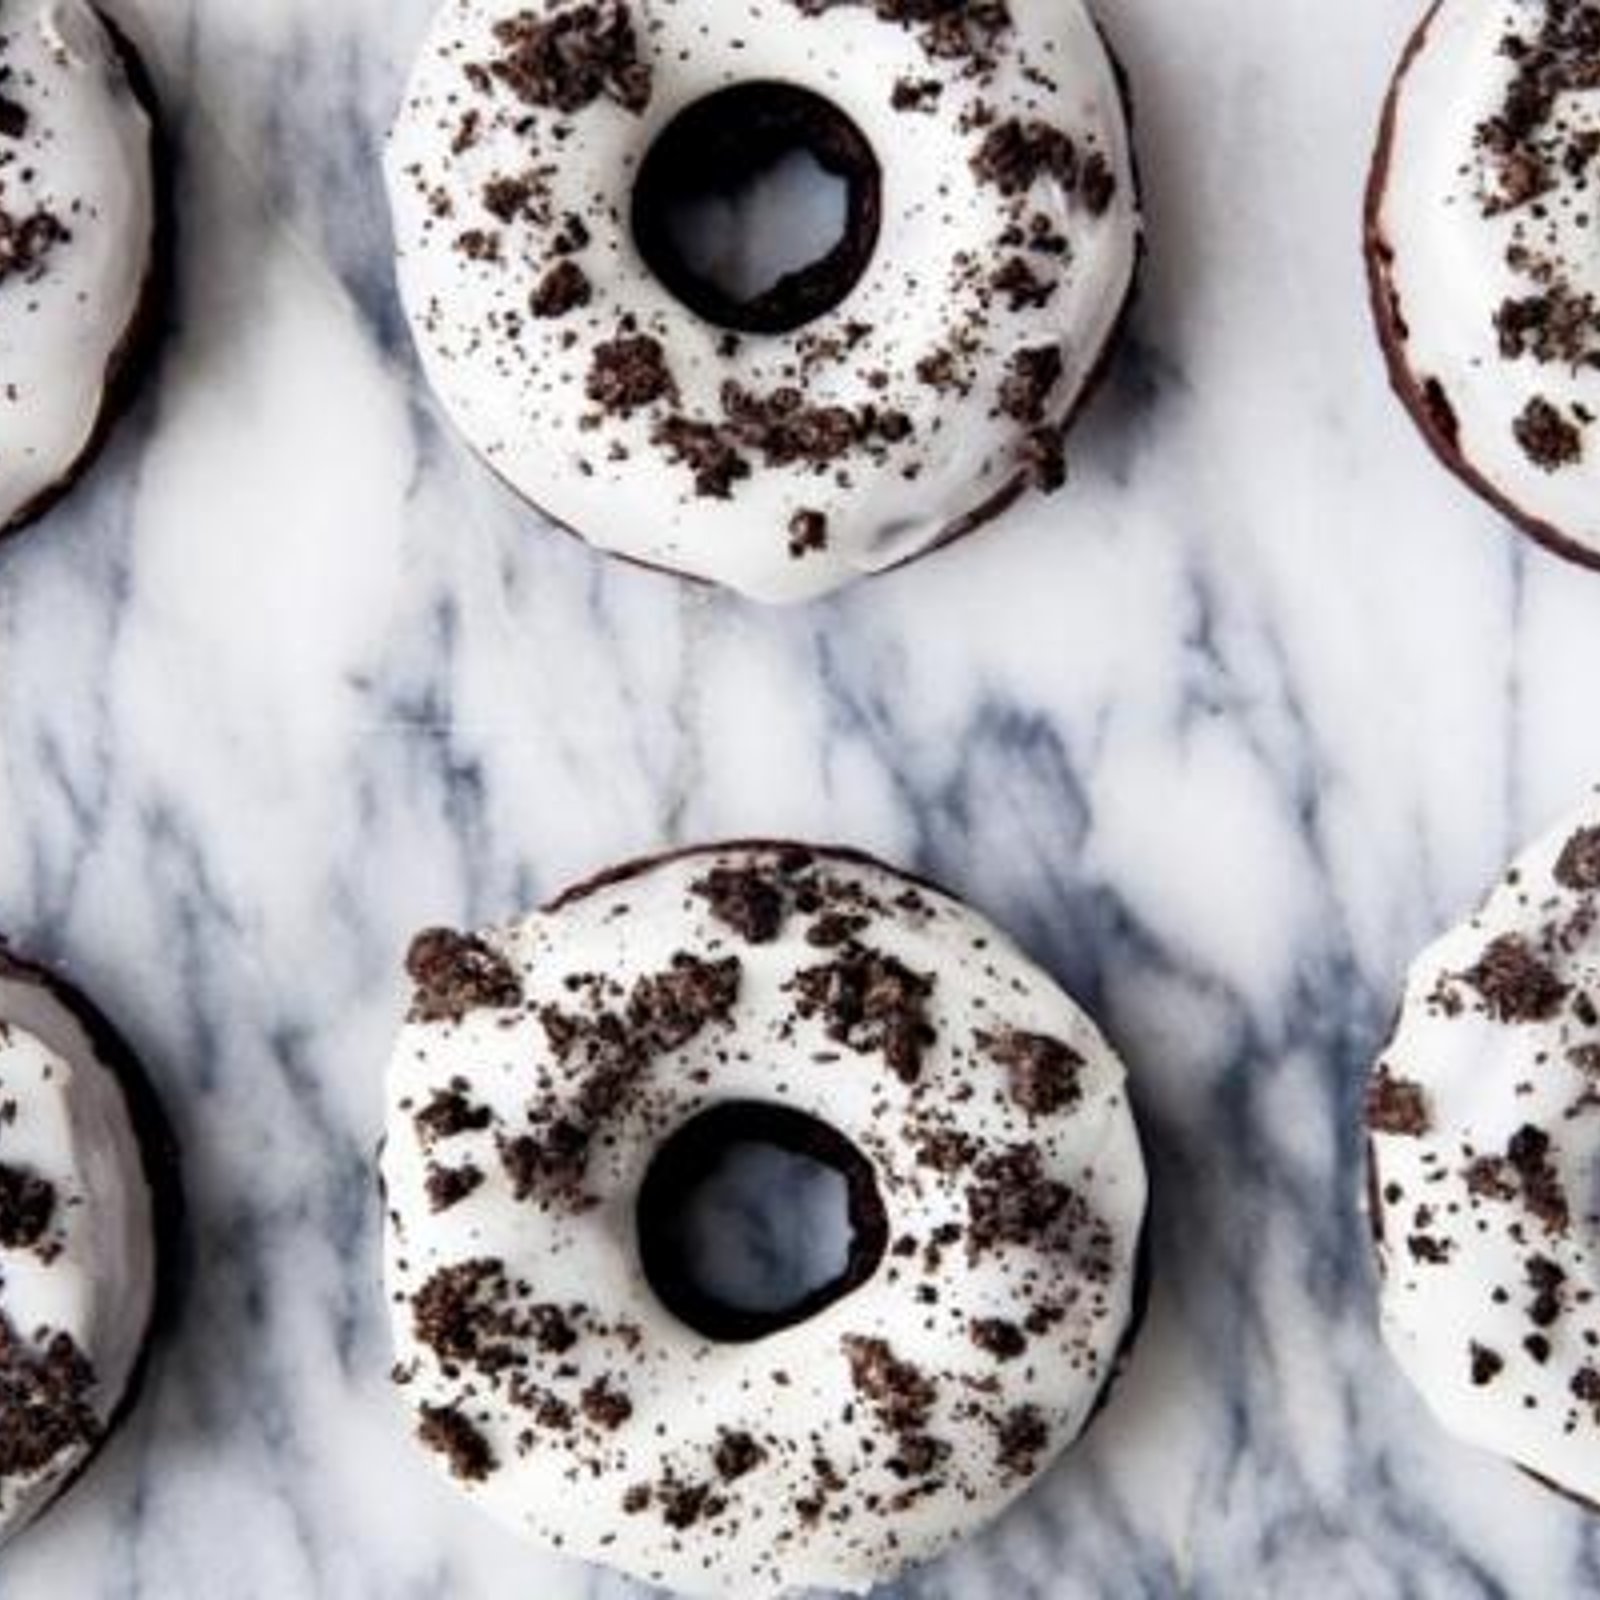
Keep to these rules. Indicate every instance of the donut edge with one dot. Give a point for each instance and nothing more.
(158, 1151)
(134, 358)
(1407, 384)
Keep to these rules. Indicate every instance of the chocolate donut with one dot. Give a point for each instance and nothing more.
(81, 240)
(1484, 1123)
(87, 1190)
(854, 415)
(1483, 245)
(562, 1082)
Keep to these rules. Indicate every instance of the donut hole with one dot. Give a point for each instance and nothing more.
(753, 1218)
(759, 207)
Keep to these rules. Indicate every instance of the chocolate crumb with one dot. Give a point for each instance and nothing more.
(457, 973)
(1015, 155)
(1586, 1387)
(948, 30)
(808, 533)
(1013, 1202)
(737, 1455)
(1043, 1073)
(705, 449)
(1023, 289)
(1579, 865)
(1397, 1106)
(1547, 438)
(45, 1390)
(1515, 984)
(604, 1406)
(449, 1186)
(26, 243)
(1486, 1366)
(902, 1397)
(1003, 1340)
(1547, 1280)
(1528, 1155)
(1097, 184)
(1044, 458)
(568, 61)
(629, 373)
(746, 899)
(446, 1430)
(902, 1394)
(564, 288)
(27, 1203)
(1032, 379)
(871, 1002)
(1024, 1436)
(683, 1505)
(448, 1114)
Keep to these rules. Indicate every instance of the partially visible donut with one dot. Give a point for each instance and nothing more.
(1483, 244)
(1484, 1121)
(79, 234)
(560, 1080)
(896, 394)
(84, 1182)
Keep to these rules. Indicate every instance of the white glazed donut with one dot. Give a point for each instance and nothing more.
(997, 1186)
(77, 242)
(77, 1240)
(1484, 248)
(1484, 1137)
(781, 464)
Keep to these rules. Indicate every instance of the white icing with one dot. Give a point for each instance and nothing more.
(86, 158)
(1484, 1078)
(516, 388)
(566, 1490)
(95, 1281)
(1448, 269)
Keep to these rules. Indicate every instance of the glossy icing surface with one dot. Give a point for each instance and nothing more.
(780, 466)
(77, 1253)
(544, 1068)
(77, 225)
(1486, 1118)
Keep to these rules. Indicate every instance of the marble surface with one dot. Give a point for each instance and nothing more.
(1224, 735)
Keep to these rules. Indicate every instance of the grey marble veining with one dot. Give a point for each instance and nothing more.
(1223, 735)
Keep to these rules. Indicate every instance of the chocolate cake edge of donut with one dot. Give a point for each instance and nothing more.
(790, 866)
(1409, 386)
(161, 1168)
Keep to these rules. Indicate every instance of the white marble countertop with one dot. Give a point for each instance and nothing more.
(1223, 734)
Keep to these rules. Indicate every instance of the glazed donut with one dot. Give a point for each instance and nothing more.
(78, 1142)
(862, 411)
(1484, 1138)
(78, 242)
(1484, 254)
(560, 1084)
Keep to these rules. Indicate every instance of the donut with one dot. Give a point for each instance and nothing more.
(1483, 246)
(895, 394)
(84, 1183)
(561, 1083)
(1484, 1123)
(79, 236)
